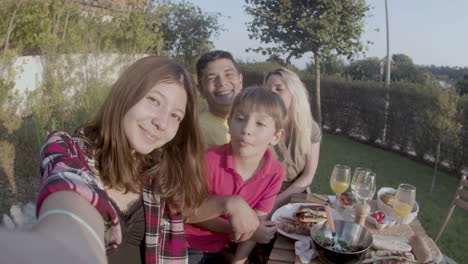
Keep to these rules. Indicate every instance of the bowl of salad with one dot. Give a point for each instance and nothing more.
(354, 240)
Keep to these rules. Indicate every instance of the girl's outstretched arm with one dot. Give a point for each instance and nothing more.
(76, 236)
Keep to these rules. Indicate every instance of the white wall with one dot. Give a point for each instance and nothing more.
(29, 71)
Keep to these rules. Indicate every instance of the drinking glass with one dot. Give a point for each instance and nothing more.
(339, 181)
(363, 184)
(404, 200)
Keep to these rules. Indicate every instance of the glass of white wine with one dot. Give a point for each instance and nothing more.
(340, 178)
(404, 200)
(363, 184)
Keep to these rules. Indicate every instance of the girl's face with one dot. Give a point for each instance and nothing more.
(154, 120)
(275, 84)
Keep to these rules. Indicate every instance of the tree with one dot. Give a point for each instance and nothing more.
(364, 70)
(462, 85)
(5, 42)
(445, 72)
(139, 30)
(300, 26)
(275, 58)
(443, 117)
(187, 31)
(23, 21)
(404, 69)
(329, 66)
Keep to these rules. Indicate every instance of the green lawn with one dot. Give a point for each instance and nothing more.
(392, 169)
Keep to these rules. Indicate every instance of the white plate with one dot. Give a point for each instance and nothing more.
(288, 210)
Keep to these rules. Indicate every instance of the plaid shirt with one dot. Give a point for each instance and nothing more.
(67, 165)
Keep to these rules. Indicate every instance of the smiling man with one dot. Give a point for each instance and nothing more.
(219, 81)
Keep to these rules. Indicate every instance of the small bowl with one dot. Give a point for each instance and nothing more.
(388, 221)
(352, 233)
(346, 207)
(388, 210)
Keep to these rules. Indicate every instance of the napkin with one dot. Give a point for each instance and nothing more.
(305, 250)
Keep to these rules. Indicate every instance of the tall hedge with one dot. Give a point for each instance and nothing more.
(411, 118)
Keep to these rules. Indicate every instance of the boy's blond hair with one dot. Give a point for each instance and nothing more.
(256, 99)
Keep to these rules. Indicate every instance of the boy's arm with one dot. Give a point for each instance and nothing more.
(244, 248)
(243, 219)
(264, 233)
(217, 224)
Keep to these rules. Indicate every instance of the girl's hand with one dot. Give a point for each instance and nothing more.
(265, 232)
(243, 219)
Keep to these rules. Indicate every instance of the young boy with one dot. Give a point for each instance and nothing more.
(244, 167)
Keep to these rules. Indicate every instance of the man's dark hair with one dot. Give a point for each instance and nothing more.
(212, 56)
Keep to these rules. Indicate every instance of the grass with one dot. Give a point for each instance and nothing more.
(393, 169)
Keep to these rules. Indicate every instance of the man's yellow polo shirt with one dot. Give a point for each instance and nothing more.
(214, 130)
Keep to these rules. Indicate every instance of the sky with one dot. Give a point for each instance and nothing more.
(429, 31)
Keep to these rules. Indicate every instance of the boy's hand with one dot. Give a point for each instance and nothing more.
(265, 232)
(244, 220)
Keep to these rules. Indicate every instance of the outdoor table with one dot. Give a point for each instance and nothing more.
(283, 249)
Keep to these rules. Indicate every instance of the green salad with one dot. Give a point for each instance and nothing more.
(330, 244)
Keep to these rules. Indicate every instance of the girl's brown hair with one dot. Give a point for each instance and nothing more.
(177, 168)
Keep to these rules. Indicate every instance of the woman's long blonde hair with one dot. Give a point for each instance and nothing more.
(300, 115)
(177, 168)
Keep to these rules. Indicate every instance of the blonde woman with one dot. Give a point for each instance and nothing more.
(300, 147)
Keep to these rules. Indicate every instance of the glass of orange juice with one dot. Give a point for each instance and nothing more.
(340, 178)
(404, 200)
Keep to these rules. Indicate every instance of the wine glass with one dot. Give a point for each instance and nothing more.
(359, 170)
(339, 181)
(404, 200)
(363, 184)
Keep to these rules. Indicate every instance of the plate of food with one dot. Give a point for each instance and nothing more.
(296, 219)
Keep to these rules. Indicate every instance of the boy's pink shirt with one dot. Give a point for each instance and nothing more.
(259, 192)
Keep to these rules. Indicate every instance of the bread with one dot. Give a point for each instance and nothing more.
(382, 253)
(420, 249)
(437, 256)
(387, 199)
(308, 215)
(315, 207)
(381, 257)
(391, 243)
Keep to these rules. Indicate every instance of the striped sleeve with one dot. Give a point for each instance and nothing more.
(64, 167)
